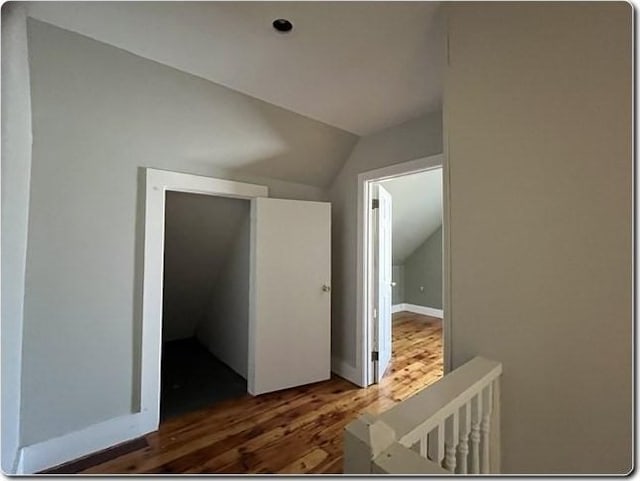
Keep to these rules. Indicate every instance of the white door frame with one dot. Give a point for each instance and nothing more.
(363, 311)
(158, 182)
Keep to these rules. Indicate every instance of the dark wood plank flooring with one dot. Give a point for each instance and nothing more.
(298, 430)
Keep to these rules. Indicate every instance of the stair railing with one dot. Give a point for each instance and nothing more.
(450, 427)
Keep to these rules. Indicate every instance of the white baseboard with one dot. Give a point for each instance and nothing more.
(425, 311)
(77, 444)
(346, 371)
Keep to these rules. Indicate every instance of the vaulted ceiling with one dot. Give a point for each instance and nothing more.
(358, 66)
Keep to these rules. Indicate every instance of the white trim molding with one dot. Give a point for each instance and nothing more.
(158, 182)
(77, 444)
(416, 309)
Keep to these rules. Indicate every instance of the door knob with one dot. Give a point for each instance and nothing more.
(326, 288)
(393, 284)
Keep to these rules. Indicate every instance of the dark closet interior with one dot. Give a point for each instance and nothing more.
(205, 302)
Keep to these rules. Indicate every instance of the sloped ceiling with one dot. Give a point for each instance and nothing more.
(199, 232)
(358, 66)
(136, 110)
(417, 210)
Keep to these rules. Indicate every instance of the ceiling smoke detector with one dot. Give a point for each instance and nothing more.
(282, 25)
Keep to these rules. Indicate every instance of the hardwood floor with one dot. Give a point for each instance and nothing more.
(298, 430)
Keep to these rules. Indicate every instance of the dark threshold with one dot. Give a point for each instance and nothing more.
(193, 378)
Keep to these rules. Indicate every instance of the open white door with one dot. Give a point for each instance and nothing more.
(382, 281)
(290, 298)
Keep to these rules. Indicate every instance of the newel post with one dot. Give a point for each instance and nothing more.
(364, 439)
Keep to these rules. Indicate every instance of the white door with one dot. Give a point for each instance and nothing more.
(382, 281)
(290, 298)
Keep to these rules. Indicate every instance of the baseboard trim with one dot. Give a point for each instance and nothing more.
(344, 370)
(425, 311)
(74, 445)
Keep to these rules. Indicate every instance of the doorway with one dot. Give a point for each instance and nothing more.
(205, 312)
(402, 262)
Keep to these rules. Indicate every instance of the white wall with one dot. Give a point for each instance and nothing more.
(538, 118)
(16, 171)
(412, 140)
(225, 328)
(99, 115)
(199, 234)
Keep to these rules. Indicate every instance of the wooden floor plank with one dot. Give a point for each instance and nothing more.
(293, 431)
(306, 463)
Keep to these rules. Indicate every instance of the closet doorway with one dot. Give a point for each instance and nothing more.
(287, 303)
(205, 313)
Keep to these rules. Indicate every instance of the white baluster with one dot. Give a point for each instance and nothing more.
(436, 444)
(424, 443)
(421, 446)
(485, 427)
(450, 442)
(476, 417)
(463, 446)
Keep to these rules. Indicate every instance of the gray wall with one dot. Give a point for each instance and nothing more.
(99, 114)
(412, 140)
(16, 171)
(225, 329)
(199, 234)
(423, 269)
(397, 292)
(538, 117)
